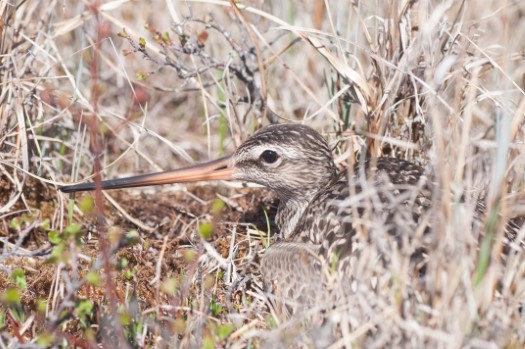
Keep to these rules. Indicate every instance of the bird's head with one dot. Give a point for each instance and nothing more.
(294, 161)
(291, 160)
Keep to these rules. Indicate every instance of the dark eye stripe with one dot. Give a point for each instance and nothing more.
(269, 156)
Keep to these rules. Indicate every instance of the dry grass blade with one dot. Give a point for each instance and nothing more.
(358, 82)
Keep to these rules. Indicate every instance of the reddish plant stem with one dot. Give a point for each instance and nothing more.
(110, 289)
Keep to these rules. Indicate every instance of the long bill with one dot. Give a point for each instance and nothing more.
(219, 169)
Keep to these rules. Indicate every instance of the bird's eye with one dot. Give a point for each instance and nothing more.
(269, 156)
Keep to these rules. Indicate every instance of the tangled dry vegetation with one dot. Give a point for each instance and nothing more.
(128, 87)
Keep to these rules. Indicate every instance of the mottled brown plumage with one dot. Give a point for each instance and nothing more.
(315, 202)
(320, 210)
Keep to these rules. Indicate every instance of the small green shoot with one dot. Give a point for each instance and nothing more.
(18, 277)
(84, 310)
(217, 207)
(270, 322)
(142, 43)
(129, 273)
(54, 237)
(41, 305)
(223, 331)
(486, 246)
(93, 278)
(206, 230)
(11, 297)
(216, 308)
(72, 231)
(140, 76)
(268, 237)
(87, 205)
(45, 225)
(208, 342)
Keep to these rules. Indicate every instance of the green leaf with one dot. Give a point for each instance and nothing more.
(217, 207)
(484, 259)
(93, 278)
(84, 307)
(224, 331)
(216, 307)
(333, 262)
(125, 318)
(87, 205)
(15, 223)
(223, 129)
(142, 42)
(270, 322)
(486, 245)
(72, 230)
(41, 305)
(18, 276)
(54, 237)
(58, 254)
(133, 236)
(208, 342)
(268, 229)
(11, 297)
(45, 224)
(206, 230)
(128, 274)
(122, 263)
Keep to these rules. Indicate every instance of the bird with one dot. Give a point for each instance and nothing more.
(321, 208)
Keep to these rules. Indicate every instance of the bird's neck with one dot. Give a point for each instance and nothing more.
(288, 215)
(293, 204)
